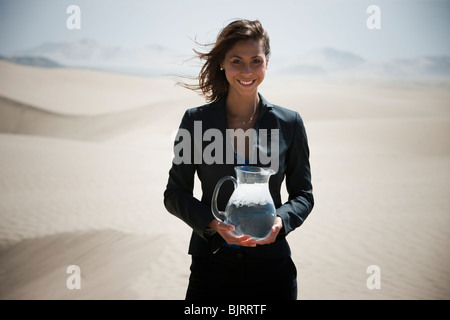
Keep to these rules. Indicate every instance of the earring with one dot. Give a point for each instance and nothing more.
(221, 69)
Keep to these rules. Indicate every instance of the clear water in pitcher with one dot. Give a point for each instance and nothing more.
(250, 212)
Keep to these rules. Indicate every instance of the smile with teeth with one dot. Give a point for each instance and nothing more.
(246, 82)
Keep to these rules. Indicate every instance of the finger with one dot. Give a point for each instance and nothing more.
(276, 228)
(222, 226)
(271, 237)
(273, 233)
(232, 239)
(248, 243)
(245, 240)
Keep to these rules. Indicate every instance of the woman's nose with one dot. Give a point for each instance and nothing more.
(246, 69)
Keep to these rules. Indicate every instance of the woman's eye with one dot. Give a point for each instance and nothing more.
(256, 61)
(236, 61)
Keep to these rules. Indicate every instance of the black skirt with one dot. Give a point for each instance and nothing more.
(231, 274)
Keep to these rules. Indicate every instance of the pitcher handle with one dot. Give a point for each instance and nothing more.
(214, 208)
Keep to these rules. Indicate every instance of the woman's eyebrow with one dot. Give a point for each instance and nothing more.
(239, 57)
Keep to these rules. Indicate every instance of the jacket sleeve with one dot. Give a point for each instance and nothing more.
(178, 196)
(298, 181)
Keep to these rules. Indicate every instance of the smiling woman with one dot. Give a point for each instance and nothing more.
(212, 81)
(225, 264)
(245, 67)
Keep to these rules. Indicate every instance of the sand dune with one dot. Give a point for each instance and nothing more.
(110, 268)
(81, 182)
(79, 92)
(19, 118)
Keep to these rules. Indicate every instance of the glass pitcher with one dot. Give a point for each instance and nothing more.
(250, 208)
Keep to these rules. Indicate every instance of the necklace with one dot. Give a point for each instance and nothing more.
(251, 117)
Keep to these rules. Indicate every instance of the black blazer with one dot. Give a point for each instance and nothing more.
(293, 165)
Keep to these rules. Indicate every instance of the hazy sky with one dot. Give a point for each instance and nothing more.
(409, 28)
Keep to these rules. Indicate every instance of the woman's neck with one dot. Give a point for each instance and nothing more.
(241, 106)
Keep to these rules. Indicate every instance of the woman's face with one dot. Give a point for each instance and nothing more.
(245, 66)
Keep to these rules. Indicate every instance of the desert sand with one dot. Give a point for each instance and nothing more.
(84, 160)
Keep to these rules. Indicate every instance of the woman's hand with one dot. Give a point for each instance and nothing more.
(224, 229)
(273, 234)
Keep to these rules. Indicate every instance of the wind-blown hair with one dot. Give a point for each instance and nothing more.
(212, 83)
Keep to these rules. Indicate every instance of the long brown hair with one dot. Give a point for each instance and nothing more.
(212, 83)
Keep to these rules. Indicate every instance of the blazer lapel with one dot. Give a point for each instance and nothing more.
(265, 106)
(219, 115)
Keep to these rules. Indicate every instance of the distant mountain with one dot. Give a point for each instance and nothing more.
(422, 66)
(323, 61)
(329, 61)
(33, 61)
(150, 59)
